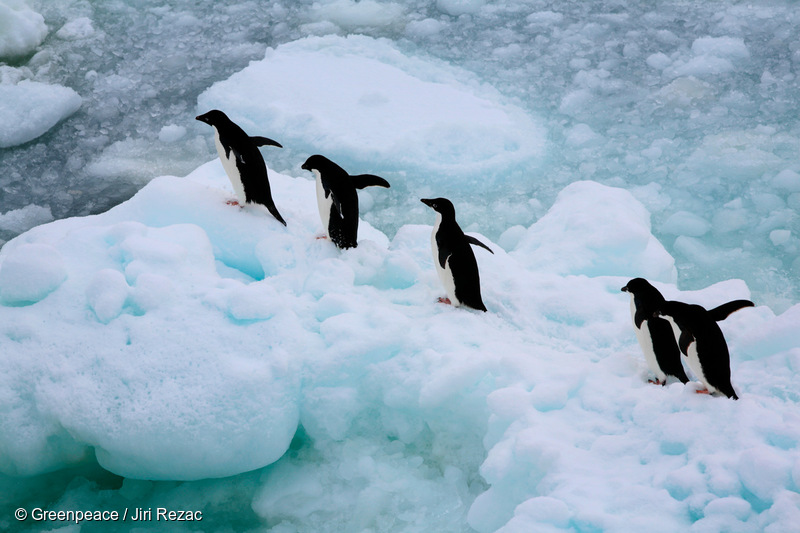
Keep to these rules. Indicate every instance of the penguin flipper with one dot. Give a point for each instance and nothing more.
(724, 311)
(685, 341)
(476, 242)
(444, 252)
(368, 180)
(263, 141)
(668, 355)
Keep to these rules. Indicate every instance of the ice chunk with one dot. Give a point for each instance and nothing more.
(780, 236)
(21, 30)
(460, 7)
(79, 28)
(171, 133)
(349, 14)
(685, 223)
(728, 47)
(28, 273)
(570, 240)
(23, 219)
(658, 61)
(30, 109)
(787, 180)
(370, 102)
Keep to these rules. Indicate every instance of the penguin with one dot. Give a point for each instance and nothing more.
(453, 256)
(337, 198)
(702, 342)
(242, 161)
(654, 334)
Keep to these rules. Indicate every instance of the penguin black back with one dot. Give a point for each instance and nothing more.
(243, 161)
(453, 255)
(337, 198)
(702, 341)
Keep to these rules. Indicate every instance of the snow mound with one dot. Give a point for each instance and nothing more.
(362, 98)
(177, 337)
(601, 231)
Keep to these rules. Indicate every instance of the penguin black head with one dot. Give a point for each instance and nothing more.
(440, 205)
(213, 117)
(640, 287)
(319, 163)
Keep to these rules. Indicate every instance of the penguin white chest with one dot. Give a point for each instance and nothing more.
(445, 274)
(646, 343)
(229, 164)
(323, 204)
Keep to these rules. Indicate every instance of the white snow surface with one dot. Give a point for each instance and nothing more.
(365, 100)
(179, 338)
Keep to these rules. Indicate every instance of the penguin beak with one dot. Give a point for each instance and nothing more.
(624, 289)
(305, 166)
(427, 202)
(201, 118)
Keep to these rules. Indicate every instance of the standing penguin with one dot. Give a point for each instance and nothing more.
(453, 256)
(337, 198)
(242, 161)
(702, 341)
(654, 334)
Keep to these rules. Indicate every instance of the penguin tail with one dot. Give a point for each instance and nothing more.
(730, 393)
(272, 209)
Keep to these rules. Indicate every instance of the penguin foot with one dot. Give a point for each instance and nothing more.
(322, 237)
(233, 202)
(656, 381)
(444, 300)
(702, 391)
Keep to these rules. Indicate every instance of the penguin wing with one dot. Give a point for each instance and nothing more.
(444, 251)
(239, 157)
(466, 277)
(685, 341)
(724, 311)
(476, 242)
(640, 316)
(368, 180)
(263, 141)
(336, 203)
(665, 348)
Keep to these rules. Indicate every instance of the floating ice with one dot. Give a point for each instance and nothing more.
(21, 29)
(30, 109)
(20, 220)
(362, 100)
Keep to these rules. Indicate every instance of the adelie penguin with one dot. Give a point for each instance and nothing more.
(242, 161)
(654, 334)
(453, 256)
(337, 198)
(702, 342)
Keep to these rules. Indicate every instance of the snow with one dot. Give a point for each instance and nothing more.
(163, 349)
(409, 114)
(176, 337)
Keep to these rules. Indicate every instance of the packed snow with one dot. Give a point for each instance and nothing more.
(165, 349)
(176, 337)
